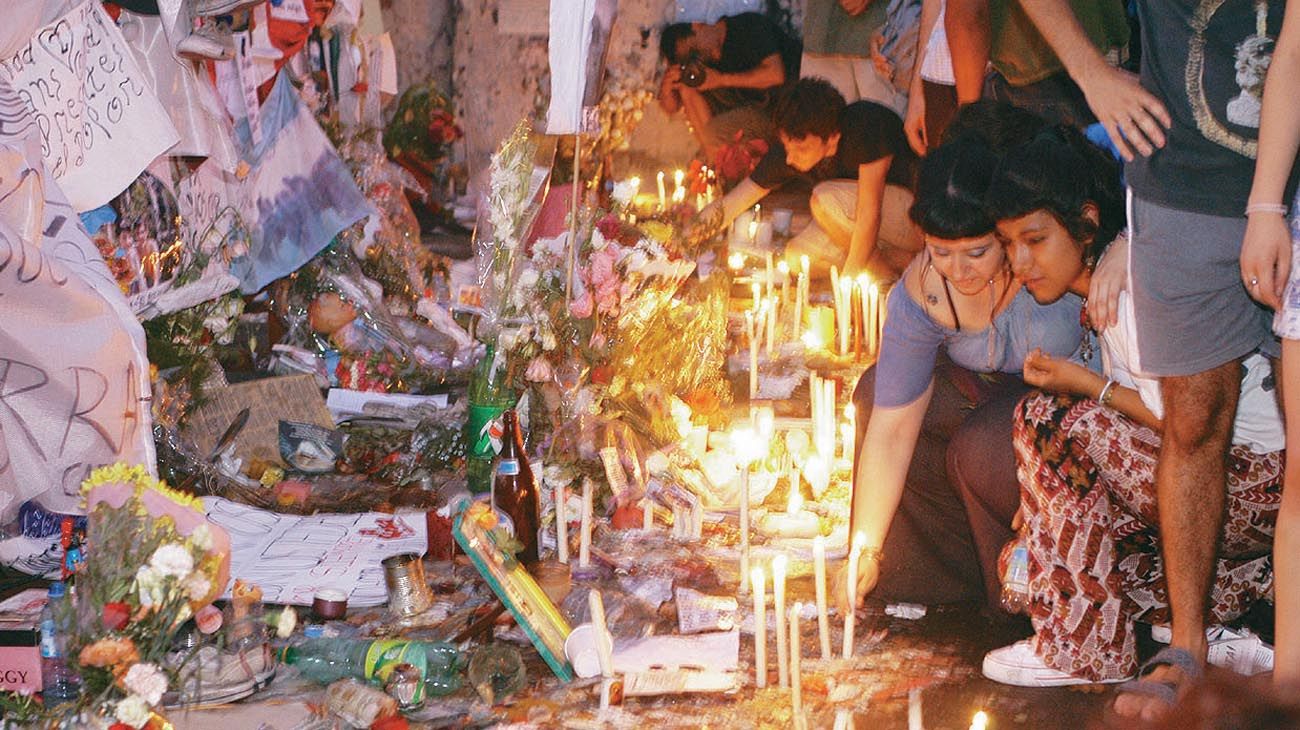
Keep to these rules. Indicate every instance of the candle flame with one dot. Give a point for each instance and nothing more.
(736, 260)
(980, 721)
(859, 541)
(812, 340)
(782, 267)
(756, 578)
(778, 567)
(849, 412)
(804, 263)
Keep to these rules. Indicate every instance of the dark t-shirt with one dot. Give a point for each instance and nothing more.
(752, 37)
(868, 132)
(1191, 64)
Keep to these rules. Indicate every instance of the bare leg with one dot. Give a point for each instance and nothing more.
(1191, 488)
(1286, 543)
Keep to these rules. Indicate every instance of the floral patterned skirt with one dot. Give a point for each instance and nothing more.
(1088, 495)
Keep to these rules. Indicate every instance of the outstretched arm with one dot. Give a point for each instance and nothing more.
(770, 72)
(866, 219)
(966, 22)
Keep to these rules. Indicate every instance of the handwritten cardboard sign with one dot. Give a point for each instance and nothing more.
(100, 123)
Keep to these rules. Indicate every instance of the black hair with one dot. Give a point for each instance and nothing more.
(809, 106)
(950, 189)
(670, 36)
(1001, 125)
(1059, 171)
(955, 177)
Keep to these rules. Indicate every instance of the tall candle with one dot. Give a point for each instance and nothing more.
(769, 318)
(915, 715)
(584, 544)
(796, 683)
(778, 602)
(647, 514)
(760, 626)
(561, 526)
(663, 194)
(819, 577)
(604, 646)
(678, 178)
(851, 587)
(771, 275)
(753, 354)
(783, 273)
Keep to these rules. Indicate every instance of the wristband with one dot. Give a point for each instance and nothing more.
(1266, 208)
(1107, 393)
(875, 554)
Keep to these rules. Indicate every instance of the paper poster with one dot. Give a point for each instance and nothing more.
(100, 124)
(291, 557)
(579, 37)
(269, 401)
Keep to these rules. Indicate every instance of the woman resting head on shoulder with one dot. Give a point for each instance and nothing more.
(1088, 501)
(935, 446)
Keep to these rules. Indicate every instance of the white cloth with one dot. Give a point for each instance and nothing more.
(1258, 424)
(936, 67)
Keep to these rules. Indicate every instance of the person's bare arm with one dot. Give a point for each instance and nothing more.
(914, 118)
(670, 97)
(966, 22)
(770, 72)
(1133, 117)
(738, 199)
(866, 220)
(1266, 249)
(1064, 376)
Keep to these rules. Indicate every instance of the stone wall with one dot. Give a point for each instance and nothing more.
(422, 32)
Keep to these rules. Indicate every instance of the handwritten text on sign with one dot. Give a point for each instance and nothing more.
(99, 121)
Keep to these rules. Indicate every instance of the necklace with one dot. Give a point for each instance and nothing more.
(1087, 346)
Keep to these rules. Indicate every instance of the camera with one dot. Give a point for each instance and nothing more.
(693, 72)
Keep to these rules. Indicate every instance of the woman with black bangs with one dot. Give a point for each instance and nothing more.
(1086, 447)
(934, 482)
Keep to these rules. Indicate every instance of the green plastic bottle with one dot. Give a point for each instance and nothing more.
(328, 660)
(489, 397)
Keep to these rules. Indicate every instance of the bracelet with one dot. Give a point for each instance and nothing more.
(875, 554)
(1277, 208)
(1107, 393)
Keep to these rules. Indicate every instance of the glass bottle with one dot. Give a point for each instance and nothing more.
(514, 492)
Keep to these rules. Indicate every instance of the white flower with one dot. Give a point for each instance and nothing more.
(285, 625)
(149, 582)
(598, 240)
(147, 681)
(172, 560)
(196, 586)
(656, 463)
(623, 192)
(133, 711)
(528, 278)
(201, 537)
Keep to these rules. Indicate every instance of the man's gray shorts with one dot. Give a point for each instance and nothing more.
(1193, 314)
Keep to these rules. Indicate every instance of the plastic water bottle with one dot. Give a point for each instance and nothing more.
(1015, 583)
(59, 682)
(326, 660)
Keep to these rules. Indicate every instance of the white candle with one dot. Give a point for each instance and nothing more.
(771, 276)
(769, 317)
(561, 526)
(914, 715)
(851, 588)
(678, 178)
(846, 442)
(604, 645)
(796, 683)
(663, 194)
(584, 544)
(760, 626)
(819, 577)
(750, 325)
(778, 603)
(783, 272)
(980, 721)
(647, 514)
(801, 292)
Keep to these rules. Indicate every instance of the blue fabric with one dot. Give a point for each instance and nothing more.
(96, 218)
(912, 340)
(302, 193)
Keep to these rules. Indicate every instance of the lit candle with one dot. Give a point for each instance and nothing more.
(819, 577)
(736, 261)
(980, 721)
(851, 588)
(561, 526)
(678, 178)
(846, 441)
(663, 194)
(753, 232)
(783, 270)
(864, 303)
(795, 523)
(584, 544)
(778, 602)
(760, 626)
(796, 683)
(914, 713)
(647, 514)
(746, 452)
(771, 275)
(753, 354)
(755, 293)
(801, 293)
(769, 317)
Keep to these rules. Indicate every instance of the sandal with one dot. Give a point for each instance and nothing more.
(1164, 690)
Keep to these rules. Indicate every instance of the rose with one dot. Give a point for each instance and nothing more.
(147, 681)
(115, 615)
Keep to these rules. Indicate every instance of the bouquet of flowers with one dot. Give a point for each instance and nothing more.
(153, 561)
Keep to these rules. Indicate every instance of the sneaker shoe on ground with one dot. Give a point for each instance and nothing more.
(1019, 666)
(210, 40)
(1240, 650)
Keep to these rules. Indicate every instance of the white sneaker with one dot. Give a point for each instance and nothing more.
(1240, 650)
(208, 8)
(1019, 666)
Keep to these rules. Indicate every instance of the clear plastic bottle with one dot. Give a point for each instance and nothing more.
(1015, 583)
(327, 660)
(60, 683)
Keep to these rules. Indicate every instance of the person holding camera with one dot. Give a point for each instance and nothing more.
(722, 75)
